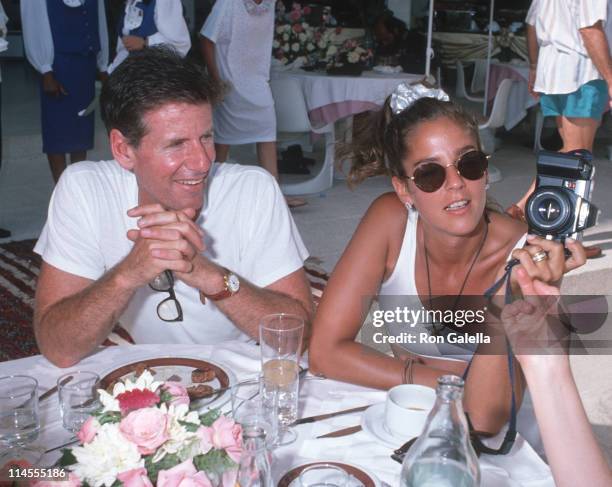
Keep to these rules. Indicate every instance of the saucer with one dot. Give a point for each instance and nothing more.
(359, 477)
(373, 423)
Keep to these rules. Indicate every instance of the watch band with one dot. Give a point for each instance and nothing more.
(226, 292)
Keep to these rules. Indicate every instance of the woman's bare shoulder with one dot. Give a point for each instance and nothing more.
(507, 231)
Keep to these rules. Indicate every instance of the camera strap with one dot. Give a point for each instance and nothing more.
(510, 435)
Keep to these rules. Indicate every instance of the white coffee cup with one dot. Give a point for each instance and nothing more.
(406, 409)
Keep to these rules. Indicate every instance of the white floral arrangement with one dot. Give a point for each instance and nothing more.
(145, 435)
(296, 41)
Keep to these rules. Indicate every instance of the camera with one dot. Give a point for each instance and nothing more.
(559, 207)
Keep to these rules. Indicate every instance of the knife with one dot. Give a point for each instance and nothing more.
(53, 390)
(343, 432)
(319, 417)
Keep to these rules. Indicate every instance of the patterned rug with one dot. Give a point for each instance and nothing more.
(19, 268)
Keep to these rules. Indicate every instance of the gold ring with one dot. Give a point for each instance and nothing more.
(539, 256)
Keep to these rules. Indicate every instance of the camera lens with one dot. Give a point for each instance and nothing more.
(549, 210)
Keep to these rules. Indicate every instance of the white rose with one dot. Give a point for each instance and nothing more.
(107, 455)
(303, 37)
(321, 44)
(295, 47)
(280, 29)
(275, 44)
(353, 57)
(310, 47)
(285, 37)
(331, 51)
(285, 47)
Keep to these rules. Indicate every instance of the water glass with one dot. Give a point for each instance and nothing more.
(19, 420)
(78, 396)
(249, 410)
(280, 338)
(323, 475)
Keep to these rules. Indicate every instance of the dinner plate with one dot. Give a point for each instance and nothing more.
(359, 477)
(180, 368)
(373, 423)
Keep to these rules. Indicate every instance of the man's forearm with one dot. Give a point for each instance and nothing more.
(532, 45)
(596, 44)
(246, 308)
(73, 327)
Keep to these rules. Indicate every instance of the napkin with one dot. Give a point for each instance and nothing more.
(387, 69)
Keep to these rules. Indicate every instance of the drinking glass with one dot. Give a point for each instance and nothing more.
(250, 411)
(19, 420)
(323, 475)
(259, 431)
(78, 396)
(280, 338)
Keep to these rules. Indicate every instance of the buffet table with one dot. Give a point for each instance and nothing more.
(522, 467)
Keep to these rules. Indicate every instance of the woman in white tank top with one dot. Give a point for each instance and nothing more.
(431, 237)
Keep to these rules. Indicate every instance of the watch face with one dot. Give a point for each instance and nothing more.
(233, 283)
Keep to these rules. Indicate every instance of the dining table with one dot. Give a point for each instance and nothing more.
(330, 98)
(521, 467)
(520, 100)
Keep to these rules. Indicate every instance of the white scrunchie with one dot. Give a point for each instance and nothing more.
(405, 95)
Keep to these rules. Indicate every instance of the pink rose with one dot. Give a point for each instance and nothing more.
(137, 477)
(178, 393)
(307, 10)
(224, 434)
(88, 430)
(146, 428)
(295, 15)
(297, 28)
(183, 475)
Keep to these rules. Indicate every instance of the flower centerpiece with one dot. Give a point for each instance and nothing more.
(145, 435)
(298, 42)
(351, 58)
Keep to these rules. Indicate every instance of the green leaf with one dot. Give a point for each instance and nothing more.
(67, 458)
(190, 427)
(153, 468)
(166, 397)
(214, 461)
(209, 417)
(109, 417)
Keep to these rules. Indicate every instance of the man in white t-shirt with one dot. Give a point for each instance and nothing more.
(174, 247)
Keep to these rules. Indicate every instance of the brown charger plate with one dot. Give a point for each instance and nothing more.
(221, 379)
(359, 474)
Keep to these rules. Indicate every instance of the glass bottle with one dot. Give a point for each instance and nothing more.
(254, 469)
(443, 455)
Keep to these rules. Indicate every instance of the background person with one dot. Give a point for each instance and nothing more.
(66, 41)
(570, 71)
(236, 44)
(146, 23)
(115, 228)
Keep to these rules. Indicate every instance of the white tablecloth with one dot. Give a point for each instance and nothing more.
(364, 92)
(523, 466)
(519, 100)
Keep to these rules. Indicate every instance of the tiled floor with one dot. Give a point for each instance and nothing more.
(326, 223)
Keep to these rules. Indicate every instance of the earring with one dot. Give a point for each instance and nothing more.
(487, 186)
(408, 205)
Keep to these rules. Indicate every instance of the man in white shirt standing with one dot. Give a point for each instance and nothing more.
(570, 71)
(174, 247)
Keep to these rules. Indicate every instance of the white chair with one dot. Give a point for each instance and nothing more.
(292, 118)
(496, 120)
(460, 90)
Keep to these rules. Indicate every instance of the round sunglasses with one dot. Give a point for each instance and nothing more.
(430, 176)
